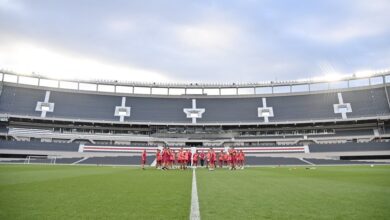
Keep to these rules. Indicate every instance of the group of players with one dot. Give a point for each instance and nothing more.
(169, 159)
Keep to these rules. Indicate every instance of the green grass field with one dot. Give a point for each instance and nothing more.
(91, 192)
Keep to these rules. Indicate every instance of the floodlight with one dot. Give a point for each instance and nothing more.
(364, 73)
(333, 77)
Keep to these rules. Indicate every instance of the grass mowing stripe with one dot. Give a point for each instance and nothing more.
(356, 192)
(110, 193)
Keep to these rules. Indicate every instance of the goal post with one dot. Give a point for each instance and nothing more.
(40, 159)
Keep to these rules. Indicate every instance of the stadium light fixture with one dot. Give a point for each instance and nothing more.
(364, 73)
(333, 77)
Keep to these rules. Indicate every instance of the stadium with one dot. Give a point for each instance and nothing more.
(194, 110)
(300, 124)
(296, 123)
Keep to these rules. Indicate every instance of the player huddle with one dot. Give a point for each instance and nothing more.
(169, 159)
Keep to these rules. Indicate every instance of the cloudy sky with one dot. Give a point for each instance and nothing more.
(194, 41)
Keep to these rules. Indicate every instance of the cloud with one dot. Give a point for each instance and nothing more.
(378, 7)
(199, 41)
(120, 25)
(343, 23)
(206, 36)
(336, 33)
(11, 6)
(27, 57)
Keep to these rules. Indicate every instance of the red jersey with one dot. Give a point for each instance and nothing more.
(172, 156)
(189, 155)
(195, 157)
(220, 156)
(180, 155)
(158, 156)
(226, 157)
(201, 156)
(233, 155)
(185, 155)
(143, 157)
(212, 156)
(165, 155)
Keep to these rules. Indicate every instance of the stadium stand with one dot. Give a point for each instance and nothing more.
(37, 145)
(366, 103)
(44, 160)
(275, 161)
(371, 146)
(23, 101)
(119, 160)
(339, 162)
(324, 123)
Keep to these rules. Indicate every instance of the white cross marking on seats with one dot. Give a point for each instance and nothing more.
(118, 108)
(194, 112)
(341, 102)
(47, 96)
(269, 109)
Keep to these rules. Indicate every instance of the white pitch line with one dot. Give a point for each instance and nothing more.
(153, 164)
(195, 214)
(80, 160)
(306, 161)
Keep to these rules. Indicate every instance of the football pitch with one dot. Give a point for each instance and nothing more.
(97, 192)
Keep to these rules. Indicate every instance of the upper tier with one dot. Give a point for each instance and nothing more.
(364, 102)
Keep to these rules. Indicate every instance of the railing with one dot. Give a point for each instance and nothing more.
(24, 131)
(218, 89)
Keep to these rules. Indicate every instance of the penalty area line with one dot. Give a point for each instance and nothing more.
(194, 214)
(80, 160)
(307, 161)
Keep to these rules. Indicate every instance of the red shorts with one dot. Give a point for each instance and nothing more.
(143, 161)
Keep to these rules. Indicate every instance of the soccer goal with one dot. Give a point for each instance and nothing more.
(40, 159)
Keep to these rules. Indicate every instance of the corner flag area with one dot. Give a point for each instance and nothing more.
(97, 192)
